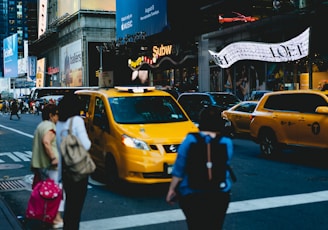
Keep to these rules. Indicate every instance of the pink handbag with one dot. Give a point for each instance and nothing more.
(44, 201)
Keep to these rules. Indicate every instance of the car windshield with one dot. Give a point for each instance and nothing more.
(145, 110)
(225, 100)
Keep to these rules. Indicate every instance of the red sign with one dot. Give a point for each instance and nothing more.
(53, 70)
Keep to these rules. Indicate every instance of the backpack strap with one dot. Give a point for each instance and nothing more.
(209, 162)
(217, 138)
(70, 125)
(69, 130)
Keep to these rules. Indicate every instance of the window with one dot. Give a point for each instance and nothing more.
(281, 102)
(85, 101)
(100, 117)
(308, 103)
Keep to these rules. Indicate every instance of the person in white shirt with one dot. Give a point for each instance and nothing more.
(69, 108)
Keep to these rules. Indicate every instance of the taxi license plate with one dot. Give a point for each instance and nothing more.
(169, 169)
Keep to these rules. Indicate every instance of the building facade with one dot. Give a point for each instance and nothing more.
(68, 46)
(18, 16)
(277, 28)
(174, 56)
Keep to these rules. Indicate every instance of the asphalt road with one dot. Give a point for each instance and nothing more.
(286, 192)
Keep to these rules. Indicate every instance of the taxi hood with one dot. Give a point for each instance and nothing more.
(159, 133)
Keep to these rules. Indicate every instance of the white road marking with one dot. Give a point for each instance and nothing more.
(177, 215)
(16, 131)
(16, 156)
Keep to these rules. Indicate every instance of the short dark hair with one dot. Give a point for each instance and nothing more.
(47, 110)
(210, 119)
(70, 105)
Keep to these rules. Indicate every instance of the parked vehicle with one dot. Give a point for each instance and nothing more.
(135, 133)
(193, 102)
(38, 92)
(240, 116)
(257, 94)
(292, 117)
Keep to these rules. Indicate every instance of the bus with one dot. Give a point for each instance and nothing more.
(38, 92)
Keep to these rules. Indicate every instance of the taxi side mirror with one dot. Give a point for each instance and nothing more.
(322, 110)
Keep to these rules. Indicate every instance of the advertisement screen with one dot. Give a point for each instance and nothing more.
(71, 64)
(40, 72)
(133, 16)
(10, 56)
(73, 6)
(31, 69)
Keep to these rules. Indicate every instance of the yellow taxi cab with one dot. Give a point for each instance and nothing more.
(292, 117)
(240, 117)
(135, 133)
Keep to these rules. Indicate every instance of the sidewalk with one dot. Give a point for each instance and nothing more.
(8, 220)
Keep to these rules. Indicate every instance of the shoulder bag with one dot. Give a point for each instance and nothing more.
(77, 162)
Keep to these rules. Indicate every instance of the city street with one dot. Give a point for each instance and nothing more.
(289, 191)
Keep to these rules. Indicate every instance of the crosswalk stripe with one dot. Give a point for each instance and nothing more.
(144, 219)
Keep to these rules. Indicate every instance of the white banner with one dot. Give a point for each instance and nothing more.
(291, 50)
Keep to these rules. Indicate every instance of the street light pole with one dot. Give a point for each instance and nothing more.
(100, 66)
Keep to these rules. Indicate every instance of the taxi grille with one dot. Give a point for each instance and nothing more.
(171, 148)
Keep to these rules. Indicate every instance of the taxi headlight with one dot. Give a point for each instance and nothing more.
(134, 143)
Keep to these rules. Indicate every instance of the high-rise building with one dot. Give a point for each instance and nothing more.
(17, 16)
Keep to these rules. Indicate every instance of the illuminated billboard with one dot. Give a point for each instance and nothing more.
(71, 64)
(31, 69)
(10, 56)
(133, 16)
(294, 49)
(73, 6)
(40, 73)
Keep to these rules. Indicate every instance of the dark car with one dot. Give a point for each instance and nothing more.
(193, 102)
(257, 94)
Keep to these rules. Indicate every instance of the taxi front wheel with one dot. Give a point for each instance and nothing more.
(111, 172)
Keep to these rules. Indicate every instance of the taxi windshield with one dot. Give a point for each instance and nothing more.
(145, 110)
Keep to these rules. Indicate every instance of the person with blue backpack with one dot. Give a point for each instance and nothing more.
(202, 177)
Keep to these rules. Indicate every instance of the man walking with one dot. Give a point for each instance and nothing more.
(14, 109)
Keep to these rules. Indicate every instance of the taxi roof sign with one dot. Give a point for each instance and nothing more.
(135, 89)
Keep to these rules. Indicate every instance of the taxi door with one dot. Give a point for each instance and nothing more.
(313, 126)
(283, 117)
(98, 130)
(313, 130)
(286, 126)
(242, 116)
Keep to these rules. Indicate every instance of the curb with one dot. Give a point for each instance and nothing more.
(8, 219)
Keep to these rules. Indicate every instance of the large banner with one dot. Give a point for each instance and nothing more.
(71, 64)
(40, 73)
(291, 50)
(133, 16)
(10, 56)
(31, 69)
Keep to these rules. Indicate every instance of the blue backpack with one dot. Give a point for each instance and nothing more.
(206, 165)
